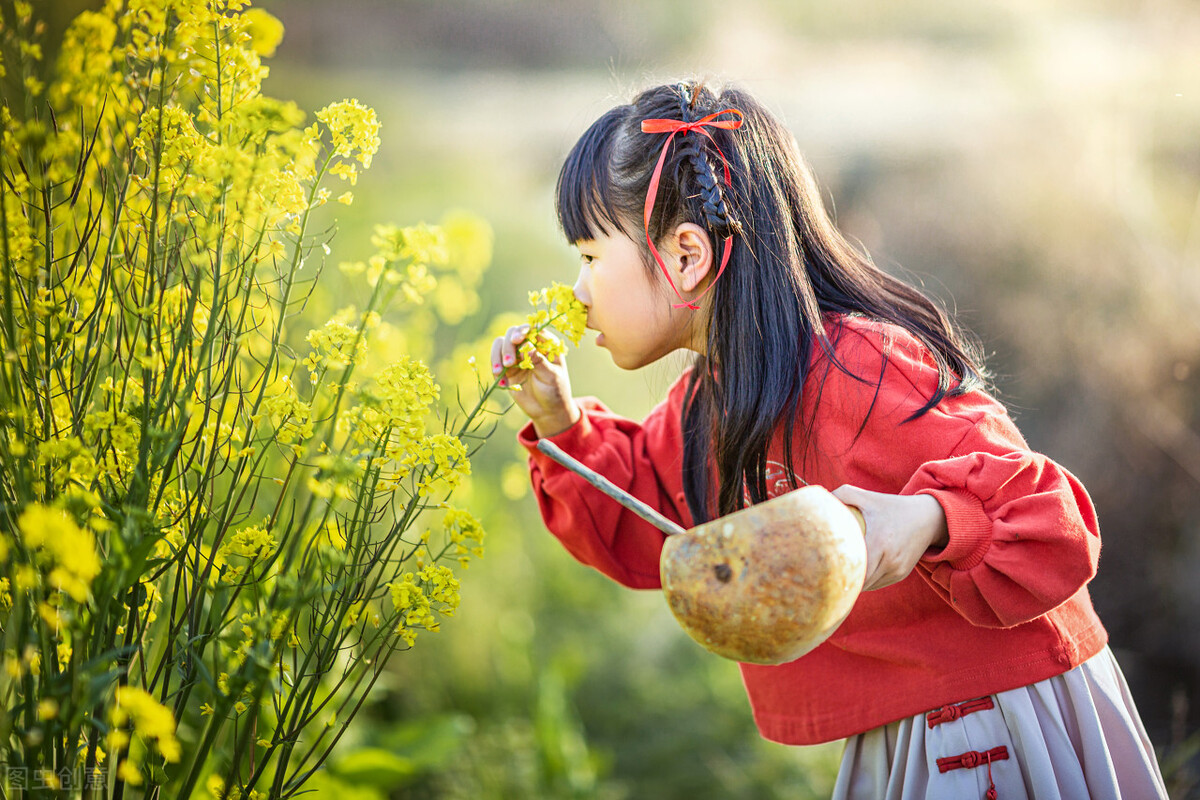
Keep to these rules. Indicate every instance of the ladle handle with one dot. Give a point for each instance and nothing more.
(609, 488)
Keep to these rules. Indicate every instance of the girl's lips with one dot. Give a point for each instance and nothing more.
(599, 339)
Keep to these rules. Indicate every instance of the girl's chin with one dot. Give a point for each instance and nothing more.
(621, 359)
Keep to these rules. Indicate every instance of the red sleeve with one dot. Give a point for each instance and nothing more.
(642, 458)
(1023, 532)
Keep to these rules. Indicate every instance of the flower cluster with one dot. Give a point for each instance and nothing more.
(354, 129)
(465, 534)
(136, 714)
(394, 411)
(264, 30)
(555, 307)
(334, 476)
(419, 597)
(217, 790)
(335, 346)
(445, 457)
(250, 544)
(290, 416)
(65, 550)
(404, 257)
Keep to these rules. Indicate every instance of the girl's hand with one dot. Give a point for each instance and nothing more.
(900, 528)
(545, 390)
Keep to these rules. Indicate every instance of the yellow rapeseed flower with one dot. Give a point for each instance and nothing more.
(335, 345)
(554, 307)
(149, 719)
(394, 409)
(346, 171)
(447, 457)
(128, 772)
(251, 542)
(68, 551)
(462, 524)
(265, 30)
(354, 129)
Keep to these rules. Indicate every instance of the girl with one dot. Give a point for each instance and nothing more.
(972, 664)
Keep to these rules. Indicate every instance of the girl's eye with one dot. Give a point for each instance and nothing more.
(586, 259)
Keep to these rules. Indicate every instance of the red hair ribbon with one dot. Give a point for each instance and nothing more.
(674, 126)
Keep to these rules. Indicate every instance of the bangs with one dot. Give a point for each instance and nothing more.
(583, 197)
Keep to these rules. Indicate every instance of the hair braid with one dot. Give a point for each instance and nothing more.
(716, 211)
(693, 151)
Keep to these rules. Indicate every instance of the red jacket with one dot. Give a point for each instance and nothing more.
(1005, 604)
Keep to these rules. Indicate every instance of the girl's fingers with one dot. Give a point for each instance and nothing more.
(539, 369)
(863, 501)
(506, 355)
(543, 365)
(545, 390)
(497, 366)
(544, 368)
(852, 496)
(508, 350)
(900, 530)
(509, 343)
(501, 346)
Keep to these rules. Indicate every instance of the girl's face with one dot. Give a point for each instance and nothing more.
(629, 305)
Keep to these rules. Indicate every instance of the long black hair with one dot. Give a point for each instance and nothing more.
(789, 267)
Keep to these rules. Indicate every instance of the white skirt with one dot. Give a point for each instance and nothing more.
(1074, 736)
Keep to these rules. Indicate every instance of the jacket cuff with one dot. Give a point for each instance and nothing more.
(969, 527)
(573, 440)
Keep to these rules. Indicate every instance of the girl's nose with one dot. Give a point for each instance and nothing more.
(580, 287)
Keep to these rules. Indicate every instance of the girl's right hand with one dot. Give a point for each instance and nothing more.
(545, 390)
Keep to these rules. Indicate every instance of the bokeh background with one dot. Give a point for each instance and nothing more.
(1035, 165)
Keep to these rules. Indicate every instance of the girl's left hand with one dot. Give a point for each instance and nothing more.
(900, 528)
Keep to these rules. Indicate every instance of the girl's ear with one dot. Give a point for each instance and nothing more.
(693, 256)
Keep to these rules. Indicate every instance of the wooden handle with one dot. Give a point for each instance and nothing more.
(609, 488)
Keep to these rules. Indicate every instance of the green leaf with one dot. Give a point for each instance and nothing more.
(430, 742)
(325, 786)
(375, 767)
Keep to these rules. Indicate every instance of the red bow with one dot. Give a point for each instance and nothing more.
(674, 126)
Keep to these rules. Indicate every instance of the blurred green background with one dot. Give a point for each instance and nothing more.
(1035, 165)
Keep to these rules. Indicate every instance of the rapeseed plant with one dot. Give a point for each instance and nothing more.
(203, 511)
